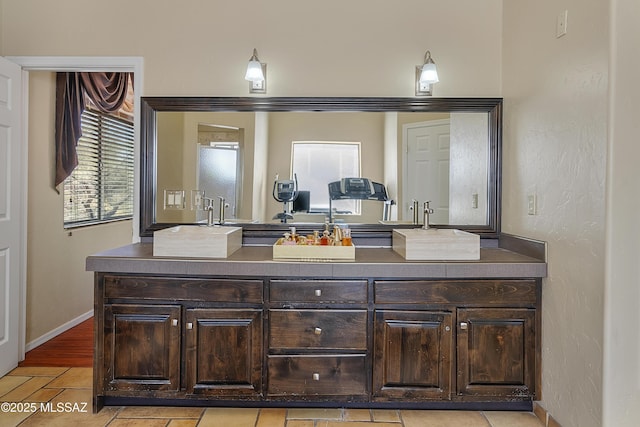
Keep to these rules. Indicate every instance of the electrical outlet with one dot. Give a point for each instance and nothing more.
(531, 204)
(561, 24)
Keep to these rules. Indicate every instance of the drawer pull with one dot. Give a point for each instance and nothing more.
(316, 376)
(464, 326)
(174, 322)
(317, 331)
(318, 292)
(189, 325)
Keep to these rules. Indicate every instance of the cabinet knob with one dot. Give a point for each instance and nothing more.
(447, 328)
(318, 292)
(189, 325)
(174, 322)
(317, 331)
(316, 376)
(464, 326)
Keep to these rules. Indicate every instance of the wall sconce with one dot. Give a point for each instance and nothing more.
(256, 74)
(426, 76)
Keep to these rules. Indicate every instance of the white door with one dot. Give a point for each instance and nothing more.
(11, 216)
(427, 169)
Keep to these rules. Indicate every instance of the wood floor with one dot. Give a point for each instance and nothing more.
(72, 348)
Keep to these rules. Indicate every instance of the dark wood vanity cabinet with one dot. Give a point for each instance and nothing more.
(331, 342)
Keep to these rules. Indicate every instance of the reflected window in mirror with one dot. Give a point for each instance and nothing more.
(317, 163)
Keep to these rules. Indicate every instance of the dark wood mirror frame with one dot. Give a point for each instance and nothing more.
(265, 233)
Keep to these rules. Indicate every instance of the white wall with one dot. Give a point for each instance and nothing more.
(555, 145)
(622, 280)
(328, 48)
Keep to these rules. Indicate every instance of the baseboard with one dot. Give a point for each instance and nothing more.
(57, 331)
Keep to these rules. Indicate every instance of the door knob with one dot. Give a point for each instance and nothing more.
(464, 326)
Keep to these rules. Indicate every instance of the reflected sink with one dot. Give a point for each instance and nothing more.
(197, 241)
(434, 244)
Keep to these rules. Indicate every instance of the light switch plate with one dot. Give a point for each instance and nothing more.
(531, 204)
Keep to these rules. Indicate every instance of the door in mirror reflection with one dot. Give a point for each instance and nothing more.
(218, 176)
(427, 160)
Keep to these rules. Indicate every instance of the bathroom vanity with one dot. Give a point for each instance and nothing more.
(378, 331)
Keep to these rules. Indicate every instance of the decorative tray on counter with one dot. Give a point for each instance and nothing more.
(313, 252)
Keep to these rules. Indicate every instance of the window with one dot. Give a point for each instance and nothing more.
(100, 189)
(316, 164)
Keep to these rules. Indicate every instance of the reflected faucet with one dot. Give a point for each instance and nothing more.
(414, 209)
(223, 205)
(427, 211)
(209, 209)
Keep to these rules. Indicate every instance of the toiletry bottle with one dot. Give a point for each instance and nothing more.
(324, 240)
(346, 236)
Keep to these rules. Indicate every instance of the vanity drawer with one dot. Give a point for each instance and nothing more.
(480, 292)
(320, 291)
(317, 375)
(183, 289)
(318, 329)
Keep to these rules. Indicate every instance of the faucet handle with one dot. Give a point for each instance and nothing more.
(427, 208)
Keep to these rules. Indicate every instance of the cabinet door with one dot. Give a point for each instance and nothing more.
(142, 347)
(412, 356)
(496, 352)
(224, 352)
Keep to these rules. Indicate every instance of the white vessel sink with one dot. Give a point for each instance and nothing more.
(417, 244)
(197, 241)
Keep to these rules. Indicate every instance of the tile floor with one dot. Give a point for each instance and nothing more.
(65, 396)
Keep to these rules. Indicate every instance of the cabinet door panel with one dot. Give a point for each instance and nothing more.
(412, 357)
(224, 349)
(496, 352)
(142, 347)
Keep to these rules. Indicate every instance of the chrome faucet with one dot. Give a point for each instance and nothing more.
(209, 209)
(414, 209)
(223, 205)
(427, 211)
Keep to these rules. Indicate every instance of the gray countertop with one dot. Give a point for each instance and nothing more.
(369, 262)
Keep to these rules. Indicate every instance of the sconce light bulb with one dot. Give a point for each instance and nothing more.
(254, 69)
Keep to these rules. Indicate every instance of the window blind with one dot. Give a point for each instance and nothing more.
(100, 189)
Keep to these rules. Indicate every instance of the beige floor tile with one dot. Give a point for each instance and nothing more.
(512, 419)
(74, 378)
(38, 371)
(357, 424)
(12, 419)
(43, 395)
(139, 422)
(48, 419)
(272, 417)
(81, 397)
(443, 419)
(26, 389)
(182, 423)
(314, 414)
(8, 383)
(229, 417)
(357, 415)
(160, 412)
(303, 423)
(386, 415)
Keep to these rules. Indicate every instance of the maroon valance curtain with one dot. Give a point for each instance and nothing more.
(107, 91)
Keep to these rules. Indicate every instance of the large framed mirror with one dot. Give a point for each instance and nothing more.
(446, 150)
